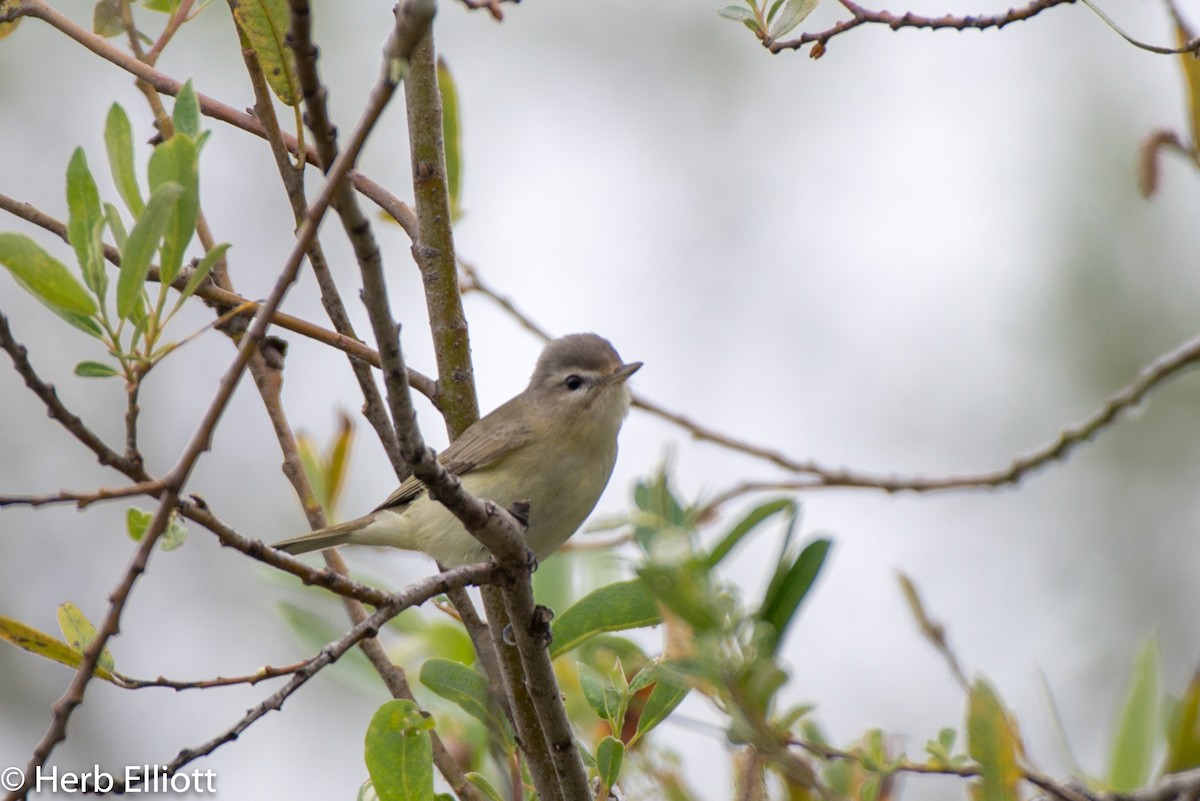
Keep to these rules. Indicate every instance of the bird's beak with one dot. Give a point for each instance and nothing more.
(622, 373)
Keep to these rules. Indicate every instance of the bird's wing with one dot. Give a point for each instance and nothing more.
(471, 451)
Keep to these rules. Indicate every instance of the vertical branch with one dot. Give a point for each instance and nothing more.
(525, 718)
(434, 245)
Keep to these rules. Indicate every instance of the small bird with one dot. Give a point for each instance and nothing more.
(553, 447)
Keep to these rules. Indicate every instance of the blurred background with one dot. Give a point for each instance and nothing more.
(924, 253)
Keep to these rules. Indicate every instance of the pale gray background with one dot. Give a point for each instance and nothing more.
(924, 252)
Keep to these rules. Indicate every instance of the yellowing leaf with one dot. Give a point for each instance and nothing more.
(42, 644)
(992, 743)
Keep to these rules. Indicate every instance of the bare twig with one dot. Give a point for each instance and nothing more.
(932, 630)
(433, 247)
(1040, 780)
(262, 674)
(412, 595)
(54, 406)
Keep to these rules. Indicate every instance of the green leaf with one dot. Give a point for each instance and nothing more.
(112, 217)
(174, 535)
(42, 644)
(136, 522)
(186, 114)
(106, 19)
(605, 698)
(668, 693)
(45, 277)
(264, 23)
(609, 756)
(992, 743)
(613, 607)
(118, 141)
(1183, 731)
(451, 136)
(747, 524)
(80, 632)
(203, 268)
(143, 239)
(399, 754)
(88, 369)
(174, 161)
(737, 13)
(789, 587)
(794, 12)
(1133, 742)
(460, 685)
(484, 786)
(85, 222)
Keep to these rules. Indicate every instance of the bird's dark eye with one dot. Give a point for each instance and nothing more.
(573, 382)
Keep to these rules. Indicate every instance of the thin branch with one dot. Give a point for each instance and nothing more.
(864, 16)
(433, 247)
(1034, 777)
(82, 500)
(262, 674)
(57, 411)
(1188, 47)
(412, 595)
(524, 716)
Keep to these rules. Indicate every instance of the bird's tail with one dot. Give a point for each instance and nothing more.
(323, 538)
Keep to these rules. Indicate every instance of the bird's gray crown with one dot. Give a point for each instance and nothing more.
(584, 352)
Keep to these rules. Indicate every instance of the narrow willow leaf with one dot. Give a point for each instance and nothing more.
(143, 240)
(399, 754)
(992, 743)
(1183, 731)
(338, 460)
(42, 644)
(738, 13)
(112, 218)
(609, 756)
(89, 369)
(788, 591)
(1191, 74)
(118, 141)
(484, 786)
(44, 277)
(265, 25)
(613, 607)
(80, 632)
(174, 161)
(794, 12)
(1132, 752)
(451, 136)
(203, 268)
(84, 222)
(748, 523)
(186, 114)
(668, 693)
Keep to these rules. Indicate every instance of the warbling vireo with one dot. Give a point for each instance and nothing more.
(553, 446)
